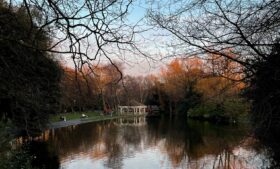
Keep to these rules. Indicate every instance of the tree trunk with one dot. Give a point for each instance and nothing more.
(170, 109)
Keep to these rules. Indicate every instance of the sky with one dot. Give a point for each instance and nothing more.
(147, 42)
(140, 65)
(151, 44)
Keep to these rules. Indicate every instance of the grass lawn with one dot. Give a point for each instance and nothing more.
(77, 115)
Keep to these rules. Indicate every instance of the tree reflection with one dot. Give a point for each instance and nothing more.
(185, 143)
(113, 146)
(43, 156)
(188, 141)
(74, 139)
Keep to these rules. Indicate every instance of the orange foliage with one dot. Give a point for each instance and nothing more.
(213, 76)
(180, 75)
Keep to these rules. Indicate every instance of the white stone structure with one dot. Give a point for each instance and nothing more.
(132, 110)
(131, 121)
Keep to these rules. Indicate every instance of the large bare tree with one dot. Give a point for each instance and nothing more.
(84, 30)
(248, 28)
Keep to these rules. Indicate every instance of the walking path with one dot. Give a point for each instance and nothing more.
(60, 124)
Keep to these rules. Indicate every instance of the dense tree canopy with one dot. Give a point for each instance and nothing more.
(265, 93)
(29, 88)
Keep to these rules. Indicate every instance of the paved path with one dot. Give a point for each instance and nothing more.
(60, 124)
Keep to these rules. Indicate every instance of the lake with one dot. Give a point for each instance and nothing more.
(139, 143)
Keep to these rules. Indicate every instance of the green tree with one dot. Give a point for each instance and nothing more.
(29, 78)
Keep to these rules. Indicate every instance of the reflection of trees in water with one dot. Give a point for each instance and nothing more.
(131, 136)
(45, 158)
(28, 153)
(188, 142)
(74, 139)
(185, 143)
(271, 140)
(113, 146)
(204, 138)
(96, 140)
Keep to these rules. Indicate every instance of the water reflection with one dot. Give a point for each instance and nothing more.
(155, 143)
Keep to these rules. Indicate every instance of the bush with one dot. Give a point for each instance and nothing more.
(30, 155)
(237, 109)
(16, 159)
(229, 110)
(205, 110)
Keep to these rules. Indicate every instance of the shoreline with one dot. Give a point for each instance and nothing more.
(61, 124)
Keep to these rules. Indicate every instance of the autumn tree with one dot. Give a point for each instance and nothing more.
(179, 79)
(134, 89)
(222, 77)
(79, 91)
(108, 80)
(220, 86)
(157, 95)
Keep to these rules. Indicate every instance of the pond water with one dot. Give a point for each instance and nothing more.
(139, 143)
